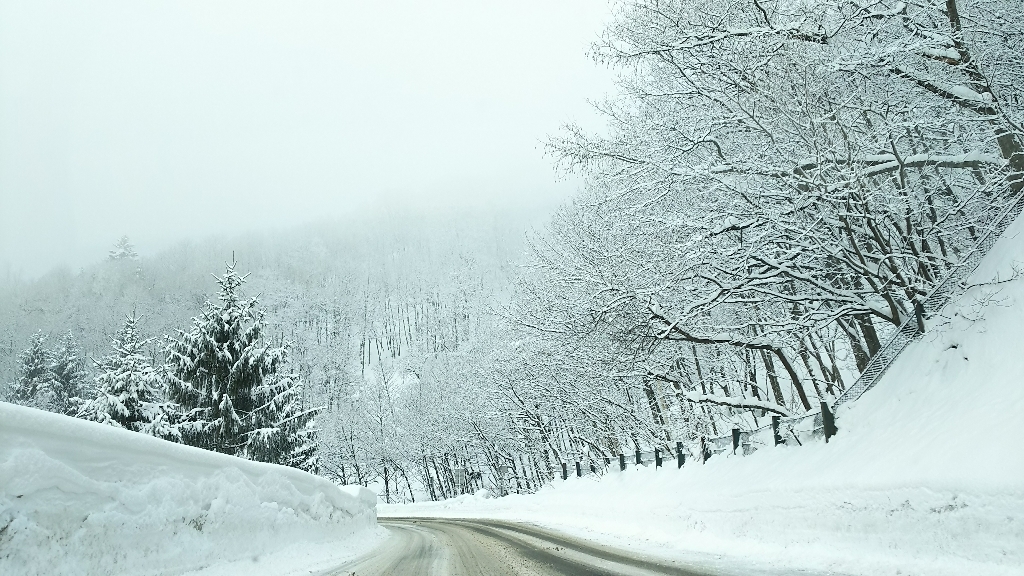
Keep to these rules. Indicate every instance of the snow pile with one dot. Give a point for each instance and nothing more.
(926, 475)
(78, 497)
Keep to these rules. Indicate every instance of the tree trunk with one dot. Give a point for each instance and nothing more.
(867, 329)
(773, 378)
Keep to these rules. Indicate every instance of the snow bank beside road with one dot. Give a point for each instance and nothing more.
(926, 475)
(82, 498)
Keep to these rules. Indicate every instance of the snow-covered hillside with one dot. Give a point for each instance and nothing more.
(83, 498)
(926, 475)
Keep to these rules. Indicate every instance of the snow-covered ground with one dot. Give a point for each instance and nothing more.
(926, 475)
(78, 497)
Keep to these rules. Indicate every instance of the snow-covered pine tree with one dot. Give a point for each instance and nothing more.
(32, 386)
(67, 367)
(129, 392)
(283, 430)
(123, 250)
(228, 383)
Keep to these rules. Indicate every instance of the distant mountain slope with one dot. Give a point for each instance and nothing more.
(338, 285)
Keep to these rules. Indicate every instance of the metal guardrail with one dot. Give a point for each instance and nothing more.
(940, 295)
(795, 431)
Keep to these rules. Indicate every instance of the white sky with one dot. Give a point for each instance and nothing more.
(168, 119)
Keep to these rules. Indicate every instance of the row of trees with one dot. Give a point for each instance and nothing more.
(222, 386)
(780, 186)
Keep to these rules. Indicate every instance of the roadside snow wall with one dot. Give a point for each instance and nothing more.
(78, 497)
(926, 475)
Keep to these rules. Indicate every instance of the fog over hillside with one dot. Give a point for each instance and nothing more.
(328, 269)
(175, 119)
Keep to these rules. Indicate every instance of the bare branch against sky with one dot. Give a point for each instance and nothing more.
(172, 119)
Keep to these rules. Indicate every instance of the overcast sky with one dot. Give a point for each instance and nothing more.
(169, 119)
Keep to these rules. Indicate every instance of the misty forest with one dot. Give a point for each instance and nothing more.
(778, 186)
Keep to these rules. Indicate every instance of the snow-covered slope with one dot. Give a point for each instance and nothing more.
(82, 498)
(926, 475)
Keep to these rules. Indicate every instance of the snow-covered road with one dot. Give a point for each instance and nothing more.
(464, 547)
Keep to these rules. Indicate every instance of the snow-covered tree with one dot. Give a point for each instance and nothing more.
(778, 176)
(69, 376)
(228, 383)
(35, 375)
(128, 390)
(283, 430)
(52, 380)
(123, 250)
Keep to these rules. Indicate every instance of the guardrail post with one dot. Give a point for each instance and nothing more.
(735, 439)
(776, 423)
(565, 471)
(828, 421)
(705, 452)
(639, 457)
(593, 469)
(622, 462)
(680, 458)
(919, 313)
(657, 458)
(579, 471)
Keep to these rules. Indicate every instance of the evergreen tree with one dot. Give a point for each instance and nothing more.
(68, 376)
(34, 374)
(283, 429)
(128, 388)
(123, 250)
(228, 383)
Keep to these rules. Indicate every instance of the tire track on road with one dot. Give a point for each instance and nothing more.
(466, 547)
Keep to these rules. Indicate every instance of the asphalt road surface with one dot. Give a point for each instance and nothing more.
(443, 547)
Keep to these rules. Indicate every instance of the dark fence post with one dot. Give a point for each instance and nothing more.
(657, 458)
(735, 439)
(705, 452)
(828, 421)
(579, 471)
(607, 461)
(622, 462)
(680, 458)
(776, 422)
(565, 471)
(919, 313)
(639, 457)
(593, 469)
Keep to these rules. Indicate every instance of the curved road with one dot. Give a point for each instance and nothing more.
(443, 547)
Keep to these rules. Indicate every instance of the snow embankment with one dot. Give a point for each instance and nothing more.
(926, 475)
(78, 497)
